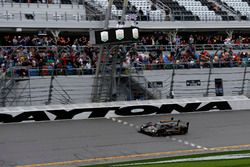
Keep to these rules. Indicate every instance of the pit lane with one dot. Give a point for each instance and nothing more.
(68, 141)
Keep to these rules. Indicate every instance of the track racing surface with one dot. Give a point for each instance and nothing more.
(81, 142)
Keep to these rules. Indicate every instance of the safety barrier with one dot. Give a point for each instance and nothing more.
(121, 109)
(33, 84)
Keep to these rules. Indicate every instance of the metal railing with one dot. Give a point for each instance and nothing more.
(31, 86)
(139, 47)
(62, 15)
(33, 89)
(236, 72)
(47, 4)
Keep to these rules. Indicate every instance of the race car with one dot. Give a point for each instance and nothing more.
(165, 128)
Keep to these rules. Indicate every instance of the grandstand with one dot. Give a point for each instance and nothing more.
(46, 56)
(82, 16)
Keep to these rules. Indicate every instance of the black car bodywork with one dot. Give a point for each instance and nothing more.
(165, 128)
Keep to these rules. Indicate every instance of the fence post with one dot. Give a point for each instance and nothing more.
(171, 94)
(208, 80)
(243, 80)
(171, 90)
(50, 87)
(3, 78)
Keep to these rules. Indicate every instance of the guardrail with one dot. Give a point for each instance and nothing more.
(139, 47)
(63, 16)
(27, 73)
(33, 85)
(48, 4)
(77, 111)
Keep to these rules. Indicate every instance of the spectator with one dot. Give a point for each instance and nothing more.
(148, 13)
(140, 14)
(29, 51)
(191, 40)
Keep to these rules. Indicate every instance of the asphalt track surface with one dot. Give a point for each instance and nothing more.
(81, 142)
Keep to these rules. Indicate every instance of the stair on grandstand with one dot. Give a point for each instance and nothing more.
(241, 8)
(106, 85)
(115, 82)
(94, 11)
(118, 4)
(137, 87)
(212, 6)
(102, 86)
(179, 12)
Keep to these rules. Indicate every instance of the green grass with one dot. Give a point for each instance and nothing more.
(212, 163)
(244, 162)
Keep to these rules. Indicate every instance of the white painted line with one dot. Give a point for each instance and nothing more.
(119, 121)
(180, 140)
(198, 146)
(125, 123)
(137, 127)
(113, 119)
(173, 138)
(108, 117)
(192, 144)
(186, 142)
(205, 148)
(131, 125)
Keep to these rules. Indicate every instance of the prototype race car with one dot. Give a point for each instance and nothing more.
(165, 128)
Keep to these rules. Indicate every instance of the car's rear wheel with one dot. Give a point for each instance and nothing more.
(183, 131)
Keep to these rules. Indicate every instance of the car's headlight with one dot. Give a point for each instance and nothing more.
(153, 131)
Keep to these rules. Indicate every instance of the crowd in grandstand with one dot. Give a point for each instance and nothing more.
(69, 53)
(157, 38)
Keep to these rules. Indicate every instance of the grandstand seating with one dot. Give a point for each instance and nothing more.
(184, 10)
(240, 6)
(198, 9)
(181, 10)
(178, 11)
(217, 9)
(248, 1)
(133, 7)
(36, 11)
